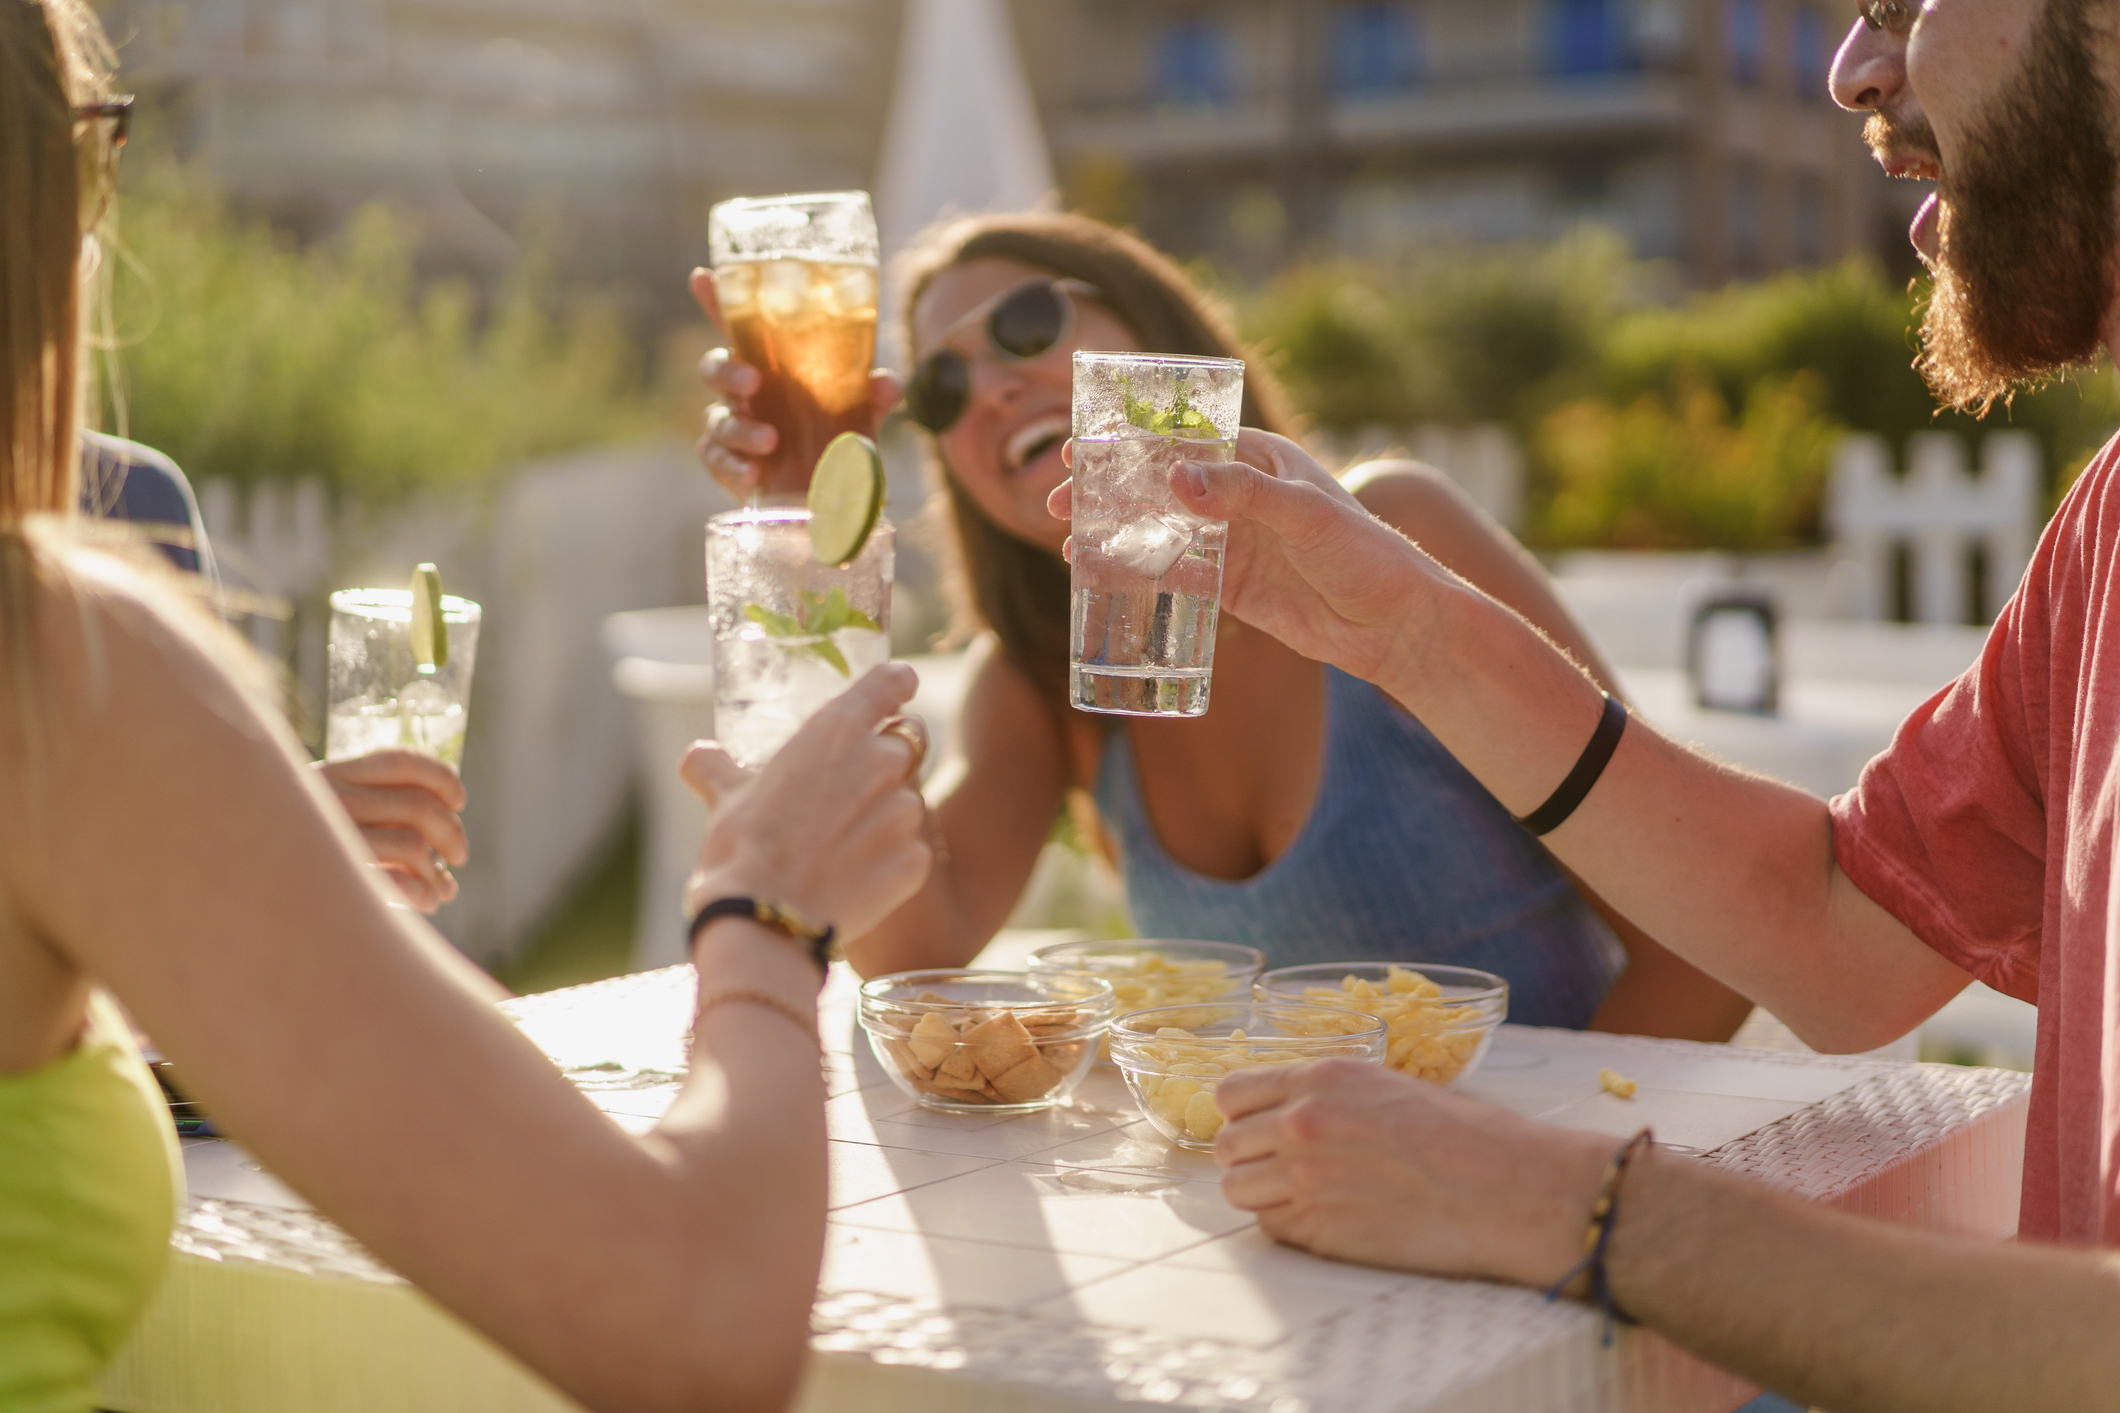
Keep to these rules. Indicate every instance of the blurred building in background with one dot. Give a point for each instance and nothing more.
(1249, 130)
(621, 123)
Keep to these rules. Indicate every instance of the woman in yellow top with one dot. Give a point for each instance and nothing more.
(161, 837)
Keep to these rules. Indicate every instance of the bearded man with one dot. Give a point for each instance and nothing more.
(1981, 844)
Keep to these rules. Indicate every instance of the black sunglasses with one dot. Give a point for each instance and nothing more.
(119, 108)
(1021, 323)
(1893, 16)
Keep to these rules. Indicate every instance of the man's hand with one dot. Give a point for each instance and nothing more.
(1305, 561)
(1360, 1163)
(407, 806)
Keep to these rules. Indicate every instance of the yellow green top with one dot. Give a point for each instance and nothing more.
(90, 1179)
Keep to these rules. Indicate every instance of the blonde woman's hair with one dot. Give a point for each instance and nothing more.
(56, 179)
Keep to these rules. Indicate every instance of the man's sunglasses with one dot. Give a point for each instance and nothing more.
(1021, 323)
(1894, 16)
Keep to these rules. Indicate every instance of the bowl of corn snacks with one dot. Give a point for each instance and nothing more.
(1438, 1020)
(985, 1041)
(1152, 972)
(1174, 1068)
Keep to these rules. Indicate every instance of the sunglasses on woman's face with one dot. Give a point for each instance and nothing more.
(1021, 323)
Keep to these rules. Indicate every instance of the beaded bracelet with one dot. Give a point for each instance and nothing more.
(1604, 1215)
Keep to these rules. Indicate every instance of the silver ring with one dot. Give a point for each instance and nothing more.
(913, 731)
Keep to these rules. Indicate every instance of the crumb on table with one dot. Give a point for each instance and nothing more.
(1615, 1083)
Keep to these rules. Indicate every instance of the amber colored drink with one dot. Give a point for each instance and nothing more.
(809, 327)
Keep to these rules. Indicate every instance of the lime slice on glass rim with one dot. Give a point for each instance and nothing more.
(846, 497)
(430, 631)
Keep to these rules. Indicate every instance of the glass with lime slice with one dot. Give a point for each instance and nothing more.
(400, 674)
(801, 607)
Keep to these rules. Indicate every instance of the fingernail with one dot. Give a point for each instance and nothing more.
(1190, 477)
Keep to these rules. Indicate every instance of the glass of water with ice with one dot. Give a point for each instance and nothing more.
(790, 633)
(380, 697)
(1147, 572)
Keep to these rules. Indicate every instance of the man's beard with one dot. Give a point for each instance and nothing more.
(2024, 271)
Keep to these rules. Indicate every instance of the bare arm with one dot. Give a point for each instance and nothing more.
(1361, 1164)
(1731, 870)
(1660, 993)
(673, 1270)
(995, 798)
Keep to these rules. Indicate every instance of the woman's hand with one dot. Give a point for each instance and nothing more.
(833, 827)
(1360, 1163)
(1305, 561)
(407, 806)
(734, 442)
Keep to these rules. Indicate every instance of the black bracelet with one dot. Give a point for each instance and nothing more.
(1604, 1216)
(1588, 767)
(818, 943)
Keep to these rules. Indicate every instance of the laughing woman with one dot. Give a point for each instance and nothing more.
(1305, 814)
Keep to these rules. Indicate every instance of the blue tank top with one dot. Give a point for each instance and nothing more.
(1405, 857)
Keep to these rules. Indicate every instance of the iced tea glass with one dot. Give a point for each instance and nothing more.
(796, 276)
(1147, 572)
(379, 696)
(790, 634)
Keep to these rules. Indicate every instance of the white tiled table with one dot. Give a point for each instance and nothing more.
(1072, 1260)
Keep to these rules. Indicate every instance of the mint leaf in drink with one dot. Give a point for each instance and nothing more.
(1179, 418)
(822, 615)
(777, 625)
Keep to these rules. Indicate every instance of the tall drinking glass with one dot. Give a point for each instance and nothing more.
(1147, 573)
(796, 276)
(380, 696)
(790, 634)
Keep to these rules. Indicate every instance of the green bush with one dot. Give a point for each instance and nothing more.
(245, 357)
(1625, 402)
(1678, 473)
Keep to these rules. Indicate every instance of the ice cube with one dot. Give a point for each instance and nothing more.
(853, 287)
(1149, 545)
(783, 287)
(421, 697)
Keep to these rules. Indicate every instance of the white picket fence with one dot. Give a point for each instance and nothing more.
(1942, 543)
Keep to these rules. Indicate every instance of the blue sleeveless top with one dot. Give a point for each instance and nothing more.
(1405, 857)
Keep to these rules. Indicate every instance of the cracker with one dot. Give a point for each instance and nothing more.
(932, 1040)
(1030, 1078)
(999, 1044)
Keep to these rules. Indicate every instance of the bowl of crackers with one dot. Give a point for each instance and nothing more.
(985, 1041)
(1152, 972)
(1438, 1020)
(1175, 1058)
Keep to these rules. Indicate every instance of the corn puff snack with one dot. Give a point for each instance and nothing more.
(1182, 1096)
(1424, 1037)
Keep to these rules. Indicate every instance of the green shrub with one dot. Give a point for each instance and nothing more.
(1624, 401)
(247, 358)
(1676, 473)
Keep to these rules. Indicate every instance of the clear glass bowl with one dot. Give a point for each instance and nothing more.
(985, 1041)
(1149, 972)
(1175, 1057)
(1438, 1019)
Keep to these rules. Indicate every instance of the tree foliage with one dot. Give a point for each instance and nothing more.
(245, 357)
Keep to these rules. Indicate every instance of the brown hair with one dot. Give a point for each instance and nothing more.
(56, 177)
(1018, 589)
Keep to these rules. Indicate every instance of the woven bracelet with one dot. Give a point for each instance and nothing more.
(1604, 1216)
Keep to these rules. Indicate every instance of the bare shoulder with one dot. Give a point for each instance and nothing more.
(1414, 497)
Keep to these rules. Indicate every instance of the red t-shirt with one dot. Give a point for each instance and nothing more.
(1987, 827)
